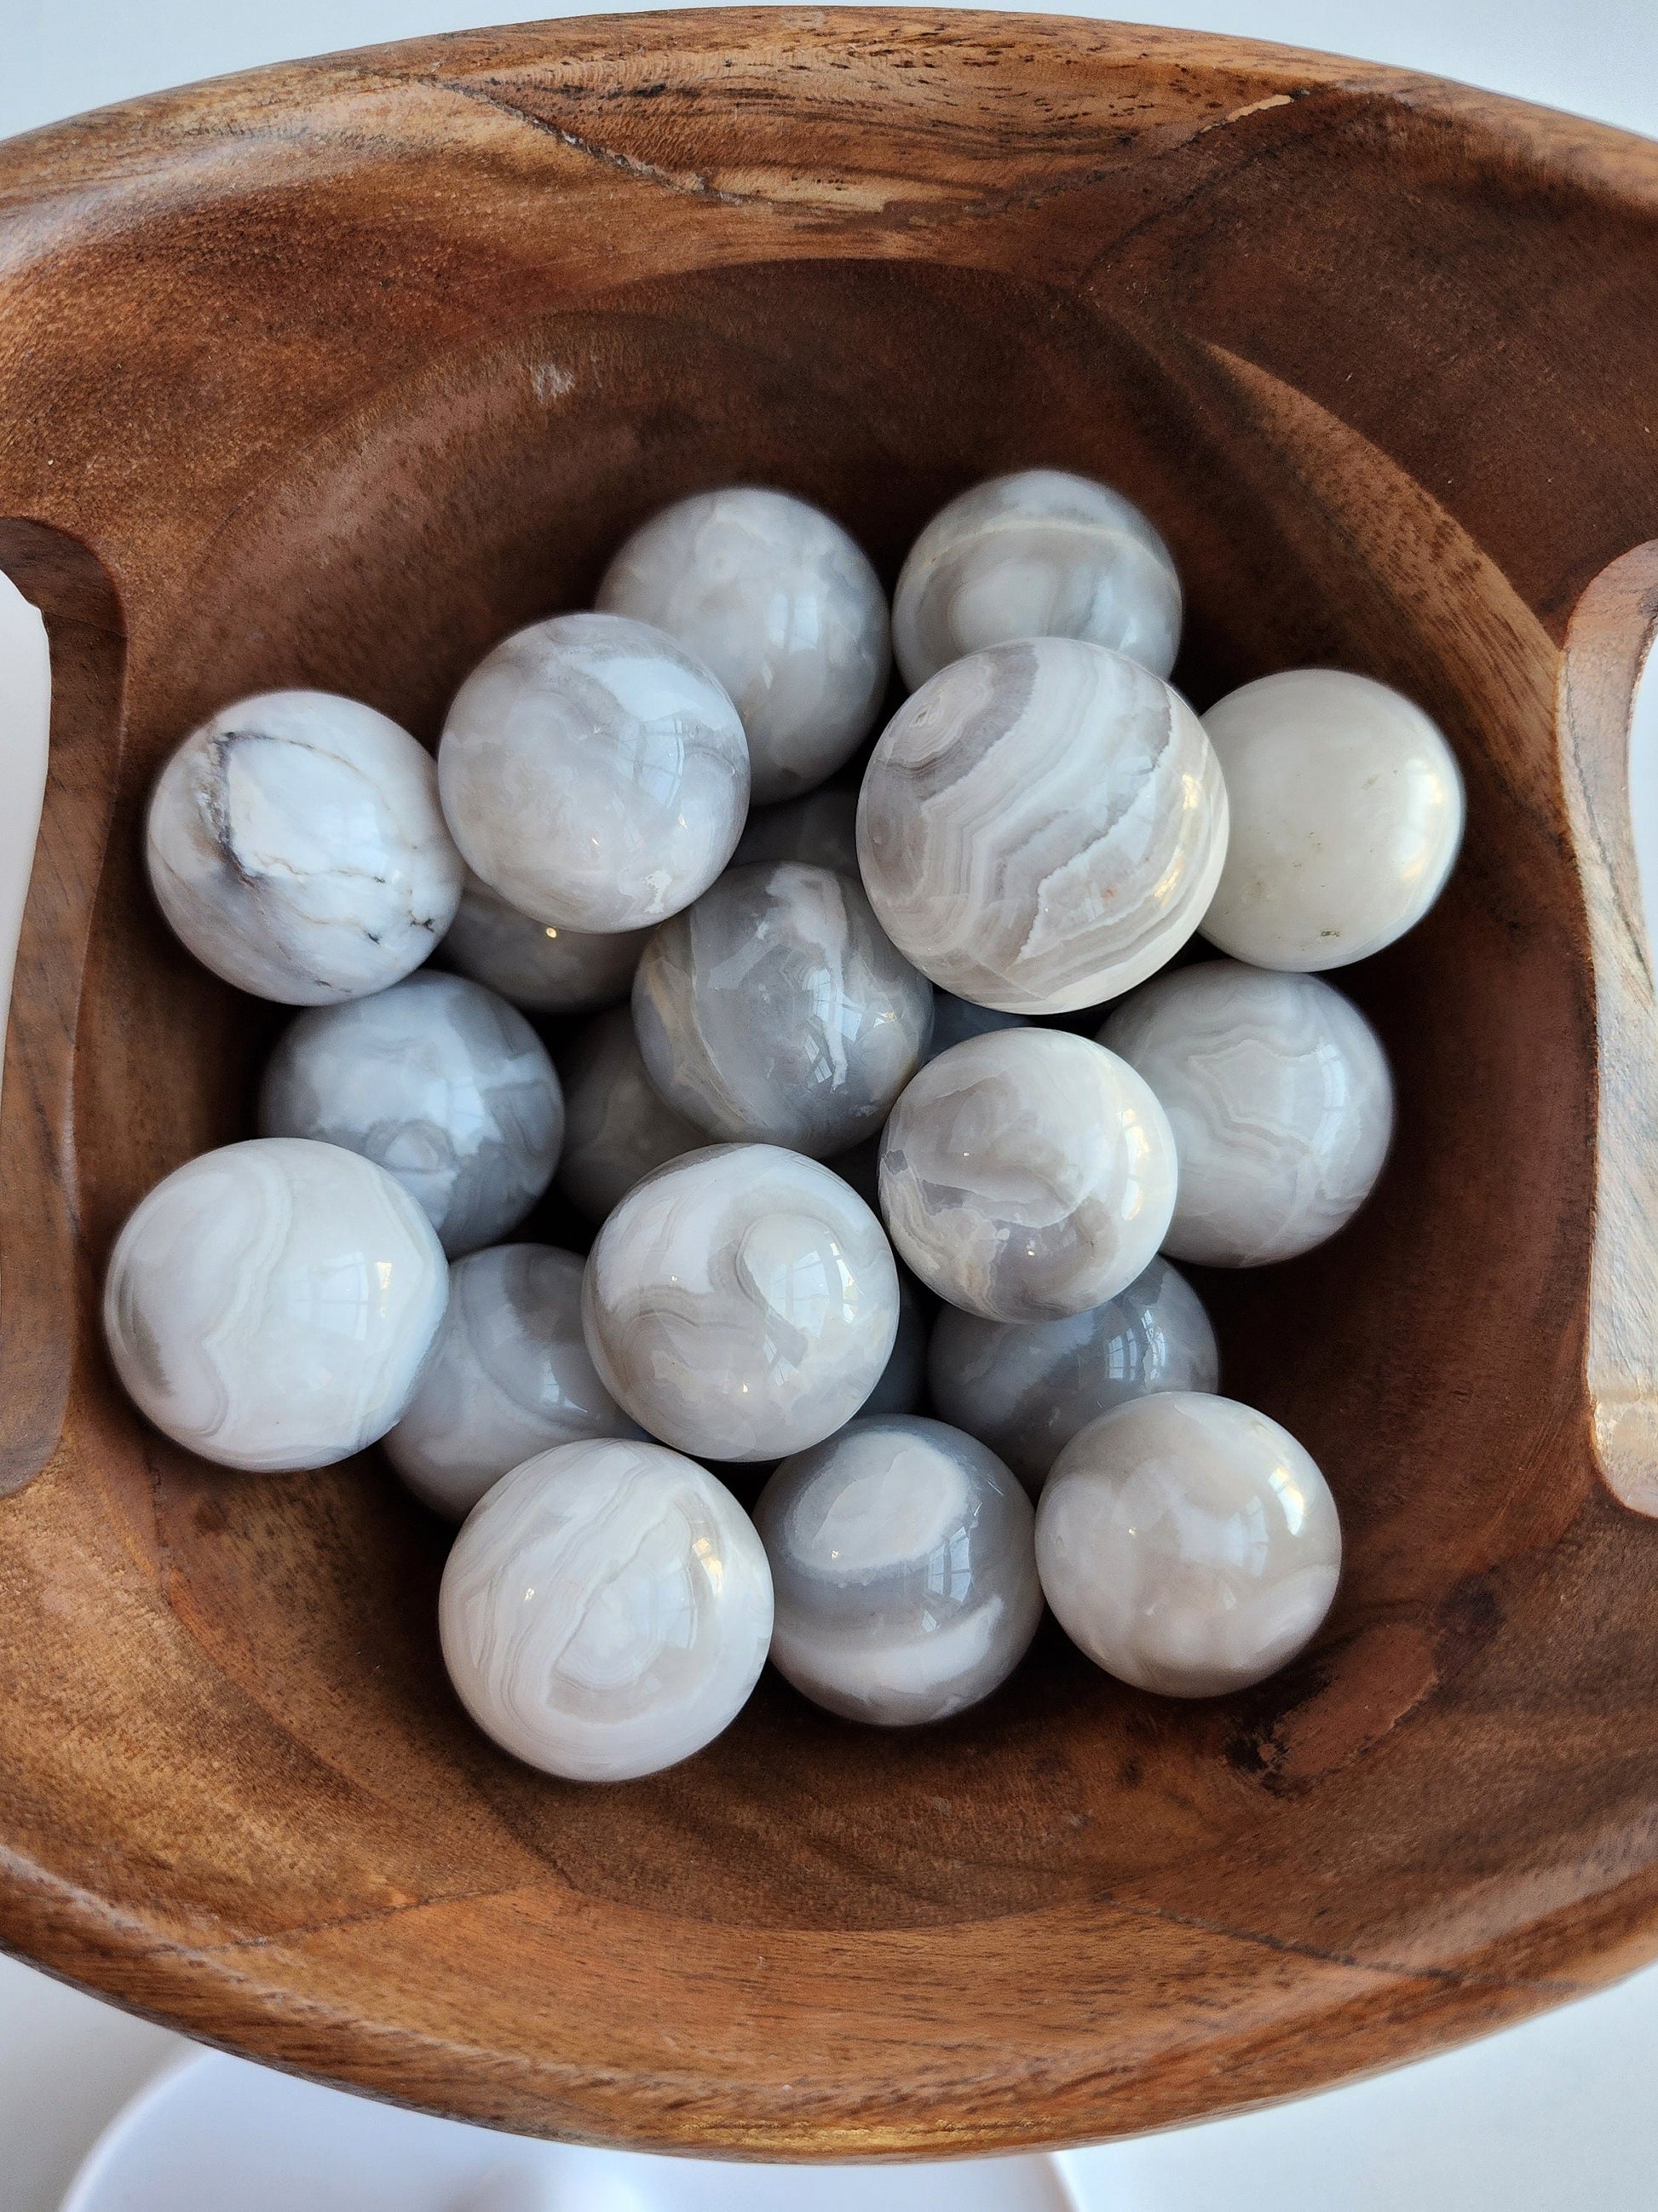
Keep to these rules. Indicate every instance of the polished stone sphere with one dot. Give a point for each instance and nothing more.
(1040, 554)
(537, 965)
(1187, 1544)
(442, 1084)
(1279, 1094)
(1042, 826)
(606, 1611)
(617, 1127)
(270, 1305)
(295, 846)
(741, 1303)
(903, 1561)
(594, 773)
(1026, 1175)
(1347, 813)
(776, 600)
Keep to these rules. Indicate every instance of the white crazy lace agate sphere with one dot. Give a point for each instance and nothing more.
(295, 846)
(773, 596)
(606, 1610)
(594, 773)
(776, 1008)
(536, 964)
(1188, 1545)
(617, 1127)
(1042, 826)
(442, 1084)
(1280, 1096)
(741, 1303)
(509, 1376)
(270, 1305)
(820, 830)
(1027, 1174)
(1039, 554)
(1026, 1389)
(1348, 813)
(903, 1560)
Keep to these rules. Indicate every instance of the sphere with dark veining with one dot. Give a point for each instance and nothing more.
(820, 829)
(1042, 826)
(594, 773)
(1027, 1174)
(904, 1570)
(1026, 1388)
(509, 1376)
(617, 1127)
(777, 1009)
(538, 966)
(741, 1303)
(773, 596)
(295, 846)
(1281, 1102)
(1040, 554)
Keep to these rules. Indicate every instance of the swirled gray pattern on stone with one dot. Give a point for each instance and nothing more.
(777, 1009)
(594, 773)
(1042, 826)
(295, 846)
(509, 1376)
(903, 1563)
(1040, 554)
(776, 600)
(820, 829)
(617, 1128)
(1027, 1174)
(538, 965)
(1279, 1094)
(441, 1083)
(741, 1303)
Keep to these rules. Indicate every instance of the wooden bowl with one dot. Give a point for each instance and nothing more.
(333, 374)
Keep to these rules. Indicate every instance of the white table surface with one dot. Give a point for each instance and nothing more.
(1558, 2113)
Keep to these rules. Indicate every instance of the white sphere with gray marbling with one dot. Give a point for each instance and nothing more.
(594, 773)
(1040, 554)
(606, 1610)
(820, 829)
(617, 1127)
(295, 846)
(778, 601)
(509, 1376)
(954, 1020)
(1026, 1388)
(1042, 826)
(777, 1009)
(1187, 1544)
(1027, 1174)
(903, 1560)
(442, 1084)
(741, 1303)
(536, 964)
(1347, 813)
(269, 1304)
(1279, 1094)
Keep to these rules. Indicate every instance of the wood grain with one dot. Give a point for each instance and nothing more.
(331, 375)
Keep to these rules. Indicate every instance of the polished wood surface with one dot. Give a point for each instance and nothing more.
(331, 375)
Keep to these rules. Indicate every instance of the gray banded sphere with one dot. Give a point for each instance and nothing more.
(537, 965)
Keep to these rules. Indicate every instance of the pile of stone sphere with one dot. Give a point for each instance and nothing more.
(881, 1097)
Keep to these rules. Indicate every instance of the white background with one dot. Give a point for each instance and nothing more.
(1560, 2113)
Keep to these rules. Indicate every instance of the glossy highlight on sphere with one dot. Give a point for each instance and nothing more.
(777, 1009)
(606, 1610)
(594, 773)
(773, 596)
(268, 1305)
(294, 845)
(741, 1303)
(903, 1562)
(1042, 826)
(441, 1083)
(508, 1375)
(537, 965)
(1278, 1093)
(1348, 813)
(617, 1127)
(1188, 1545)
(1026, 1389)
(1027, 1174)
(1040, 554)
